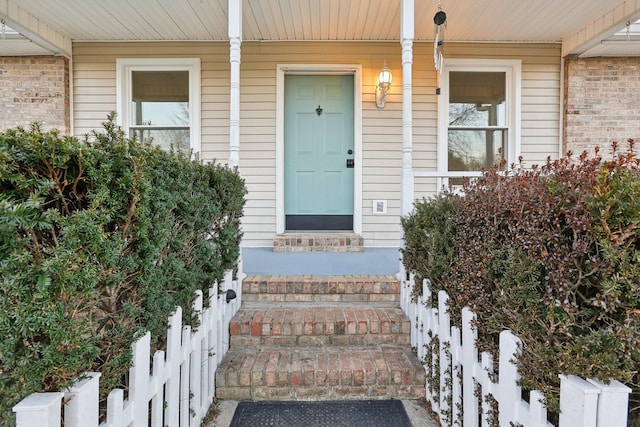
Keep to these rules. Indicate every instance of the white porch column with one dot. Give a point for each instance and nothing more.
(235, 40)
(406, 40)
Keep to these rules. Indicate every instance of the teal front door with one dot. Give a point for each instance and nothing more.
(318, 152)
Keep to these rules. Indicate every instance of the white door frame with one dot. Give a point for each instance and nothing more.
(320, 69)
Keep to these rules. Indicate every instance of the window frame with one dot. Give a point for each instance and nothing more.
(124, 69)
(513, 81)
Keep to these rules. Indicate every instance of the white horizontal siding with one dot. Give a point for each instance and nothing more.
(95, 88)
(540, 103)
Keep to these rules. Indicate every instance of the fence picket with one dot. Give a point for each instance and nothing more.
(537, 411)
(456, 364)
(444, 333)
(508, 381)
(138, 380)
(184, 377)
(156, 385)
(115, 409)
(194, 361)
(174, 354)
(81, 402)
(469, 361)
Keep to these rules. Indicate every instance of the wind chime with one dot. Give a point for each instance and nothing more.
(440, 21)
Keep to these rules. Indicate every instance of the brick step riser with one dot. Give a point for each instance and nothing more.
(277, 373)
(345, 298)
(316, 286)
(320, 393)
(318, 243)
(321, 340)
(319, 321)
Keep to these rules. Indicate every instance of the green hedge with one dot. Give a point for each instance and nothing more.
(551, 253)
(100, 240)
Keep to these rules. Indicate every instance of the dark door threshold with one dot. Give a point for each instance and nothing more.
(319, 222)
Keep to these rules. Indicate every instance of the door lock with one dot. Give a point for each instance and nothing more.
(350, 163)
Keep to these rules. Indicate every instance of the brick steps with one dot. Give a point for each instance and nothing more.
(278, 373)
(355, 288)
(320, 337)
(320, 325)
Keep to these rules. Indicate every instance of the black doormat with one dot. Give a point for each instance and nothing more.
(351, 413)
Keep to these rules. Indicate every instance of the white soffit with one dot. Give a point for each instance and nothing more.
(12, 43)
(625, 42)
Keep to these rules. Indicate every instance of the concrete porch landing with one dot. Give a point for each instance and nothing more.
(372, 261)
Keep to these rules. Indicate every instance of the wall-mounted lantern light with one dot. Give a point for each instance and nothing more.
(383, 85)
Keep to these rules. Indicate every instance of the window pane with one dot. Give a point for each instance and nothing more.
(477, 98)
(473, 150)
(160, 98)
(178, 139)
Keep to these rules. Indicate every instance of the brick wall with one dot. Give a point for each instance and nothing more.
(602, 102)
(34, 88)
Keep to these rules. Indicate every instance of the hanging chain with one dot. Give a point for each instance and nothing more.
(628, 31)
(4, 28)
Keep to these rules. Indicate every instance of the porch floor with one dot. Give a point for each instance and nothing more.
(373, 261)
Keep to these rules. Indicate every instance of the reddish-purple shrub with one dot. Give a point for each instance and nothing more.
(551, 253)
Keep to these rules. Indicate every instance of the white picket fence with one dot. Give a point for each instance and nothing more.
(176, 390)
(462, 373)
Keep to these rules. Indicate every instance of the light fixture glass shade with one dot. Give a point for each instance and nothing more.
(384, 76)
(383, 85)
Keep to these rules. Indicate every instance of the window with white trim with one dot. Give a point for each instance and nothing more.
(159, 101)
(479, 116)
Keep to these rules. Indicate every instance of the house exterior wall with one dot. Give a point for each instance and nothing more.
(601, 102)
(381, 132)
(34, 89)
(94, 86)
(540, 101)
(94, 82)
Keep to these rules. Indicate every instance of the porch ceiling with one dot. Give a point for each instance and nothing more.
(278, 20)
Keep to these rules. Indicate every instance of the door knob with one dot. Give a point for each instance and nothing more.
(350, 152)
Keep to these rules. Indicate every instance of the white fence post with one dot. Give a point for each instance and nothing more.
(40, 410)
(81, 407)
(613, 403)
(578, 402)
